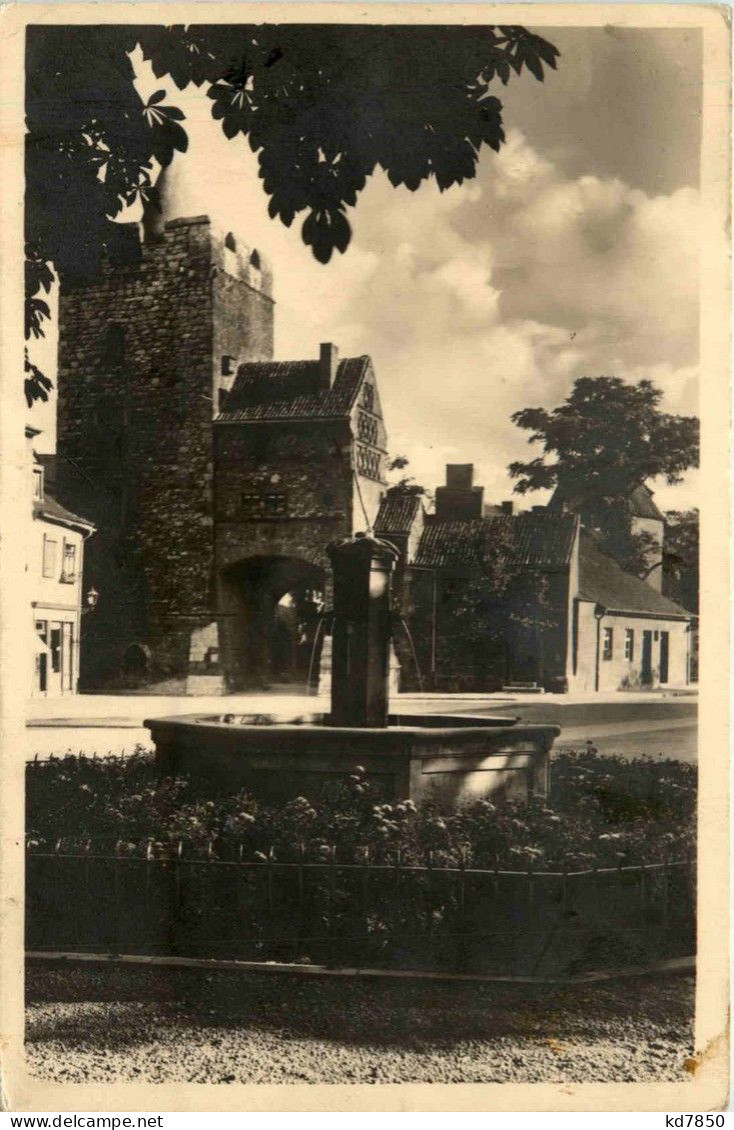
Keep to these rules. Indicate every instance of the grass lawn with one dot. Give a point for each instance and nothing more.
(100, 1024)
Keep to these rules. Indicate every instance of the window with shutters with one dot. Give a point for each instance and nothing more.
(49, 556)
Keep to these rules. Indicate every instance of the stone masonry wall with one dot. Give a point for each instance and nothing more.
(137, 387)
(301, 471)
(243, 309)
(283, 491)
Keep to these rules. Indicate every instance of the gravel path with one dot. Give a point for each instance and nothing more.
(164, 1025)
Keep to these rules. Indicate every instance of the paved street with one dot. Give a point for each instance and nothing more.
(657, 727)
(676, 739)
(629, 724)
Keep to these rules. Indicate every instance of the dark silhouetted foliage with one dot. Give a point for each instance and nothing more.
(680, 557)
(606, 439)
(406, 486)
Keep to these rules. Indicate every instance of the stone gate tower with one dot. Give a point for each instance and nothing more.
(144, 353)
(215, 475)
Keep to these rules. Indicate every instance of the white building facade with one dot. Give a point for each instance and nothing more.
(55, 565)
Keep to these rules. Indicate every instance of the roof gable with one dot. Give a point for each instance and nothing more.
(288, 390)
(372, 401)
(604, 582)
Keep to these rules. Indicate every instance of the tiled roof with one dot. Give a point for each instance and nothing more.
(534, 540)
(397, 514)
(602, 580)
(287, 390)
(48, 507)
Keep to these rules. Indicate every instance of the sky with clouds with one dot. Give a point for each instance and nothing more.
(573, 253)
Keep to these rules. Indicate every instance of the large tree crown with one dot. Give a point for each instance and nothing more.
(607, 438)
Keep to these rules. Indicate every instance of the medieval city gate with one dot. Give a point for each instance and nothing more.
(238, 471)
(271, 610)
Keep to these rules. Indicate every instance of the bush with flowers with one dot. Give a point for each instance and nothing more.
(602, 811)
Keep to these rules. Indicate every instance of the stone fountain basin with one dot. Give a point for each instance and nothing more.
(447, 758)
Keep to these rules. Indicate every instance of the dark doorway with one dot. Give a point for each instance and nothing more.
(664, 656)
(42, 671)
(646, 661)
(272, 610)
(67, 656)
(42, 657)
(136, 662)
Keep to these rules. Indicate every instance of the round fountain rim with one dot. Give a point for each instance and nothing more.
(435, 724)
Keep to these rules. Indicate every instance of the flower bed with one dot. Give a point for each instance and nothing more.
(123, 861)
(603, 811)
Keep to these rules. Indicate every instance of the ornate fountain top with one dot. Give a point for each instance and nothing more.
(362, 543)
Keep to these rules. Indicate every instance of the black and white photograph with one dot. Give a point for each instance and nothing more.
(360, 622)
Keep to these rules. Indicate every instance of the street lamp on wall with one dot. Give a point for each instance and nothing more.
(599, 614)
(91, 600)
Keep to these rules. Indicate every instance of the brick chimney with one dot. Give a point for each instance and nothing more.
(459, 498)
(328, 364)
(459, 476)
(507, 507)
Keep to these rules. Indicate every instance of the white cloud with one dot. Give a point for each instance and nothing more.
(497, 298)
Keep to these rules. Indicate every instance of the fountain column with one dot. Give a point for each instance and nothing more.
(362, 568)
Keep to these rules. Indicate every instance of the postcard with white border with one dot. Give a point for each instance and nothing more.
(365, 560)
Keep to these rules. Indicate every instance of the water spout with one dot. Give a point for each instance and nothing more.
(314, 646)
(414, 653)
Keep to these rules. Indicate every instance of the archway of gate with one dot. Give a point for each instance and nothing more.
(271, 610)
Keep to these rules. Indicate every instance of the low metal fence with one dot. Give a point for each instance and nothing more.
(362, 913)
